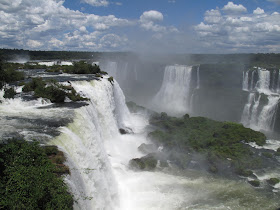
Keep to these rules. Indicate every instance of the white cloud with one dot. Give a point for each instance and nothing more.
(42, 24)
(96, 3)
(258, 11)
(255, 32)
(148, 21)
(34, 44)
(55, 43)
(152, 16)
(234, 8)
(212, 16)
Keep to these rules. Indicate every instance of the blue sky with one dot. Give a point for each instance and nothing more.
(180, 26)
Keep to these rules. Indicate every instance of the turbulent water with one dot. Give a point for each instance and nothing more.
(262, 87)
(98, 155)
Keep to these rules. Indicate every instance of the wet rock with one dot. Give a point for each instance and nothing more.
(148, 162)
(147, 148)
(273, 181)
(125, 131)
(255, 183)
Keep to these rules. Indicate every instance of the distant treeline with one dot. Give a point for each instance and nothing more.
(249, 59)
(260, 59)
(11, 54)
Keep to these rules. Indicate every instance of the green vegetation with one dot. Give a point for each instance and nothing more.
(9, 93)
(10, 54)
(147, 162)
(255, 183)
(111, 80)
(52, 90)
(80, 67)
(9, 74)
(277, 153)
(273, 181)
(267, 154)
(28, 179)
(217, 141)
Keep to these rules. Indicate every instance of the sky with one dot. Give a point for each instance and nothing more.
(164, 26)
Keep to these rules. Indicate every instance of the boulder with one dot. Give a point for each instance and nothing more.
(148, 163)
(147, 148)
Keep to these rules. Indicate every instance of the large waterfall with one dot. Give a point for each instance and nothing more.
(174, 96)
(261, 109)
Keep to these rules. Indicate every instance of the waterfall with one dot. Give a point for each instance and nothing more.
(245, 85)
(274, 82)
(92, 181)
(278, 82)
(254, 113)
(263, 83)
(260, 117)
(267, 115)
(247, 110)
(198, 78)
(252, 80)
(194, 91)
(175, 93)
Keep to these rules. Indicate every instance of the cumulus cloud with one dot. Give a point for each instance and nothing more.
(212, 16)
(258, 11)
(234, 8)
(230, 32)
(152, 16)
(149, 19)
(43, 24)
(96, 3)
(34, 44)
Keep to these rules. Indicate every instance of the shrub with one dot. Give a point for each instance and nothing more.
(218, 141)
(267, 154)
(9, 93)
(28, 179)
(9, 74)
(37, 82)
(52, 90)
(273, 181)
(255, 183)
(111, 80)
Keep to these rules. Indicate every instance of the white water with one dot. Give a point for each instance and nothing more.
(174, 96)
(198, 78)
(254, 116)
(263, 83)
(51, 63)
(245, 81)
(247, 110)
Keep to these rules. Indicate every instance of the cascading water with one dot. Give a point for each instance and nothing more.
(245, 83)
(260, 116)
(174, 95)
(198, 78)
